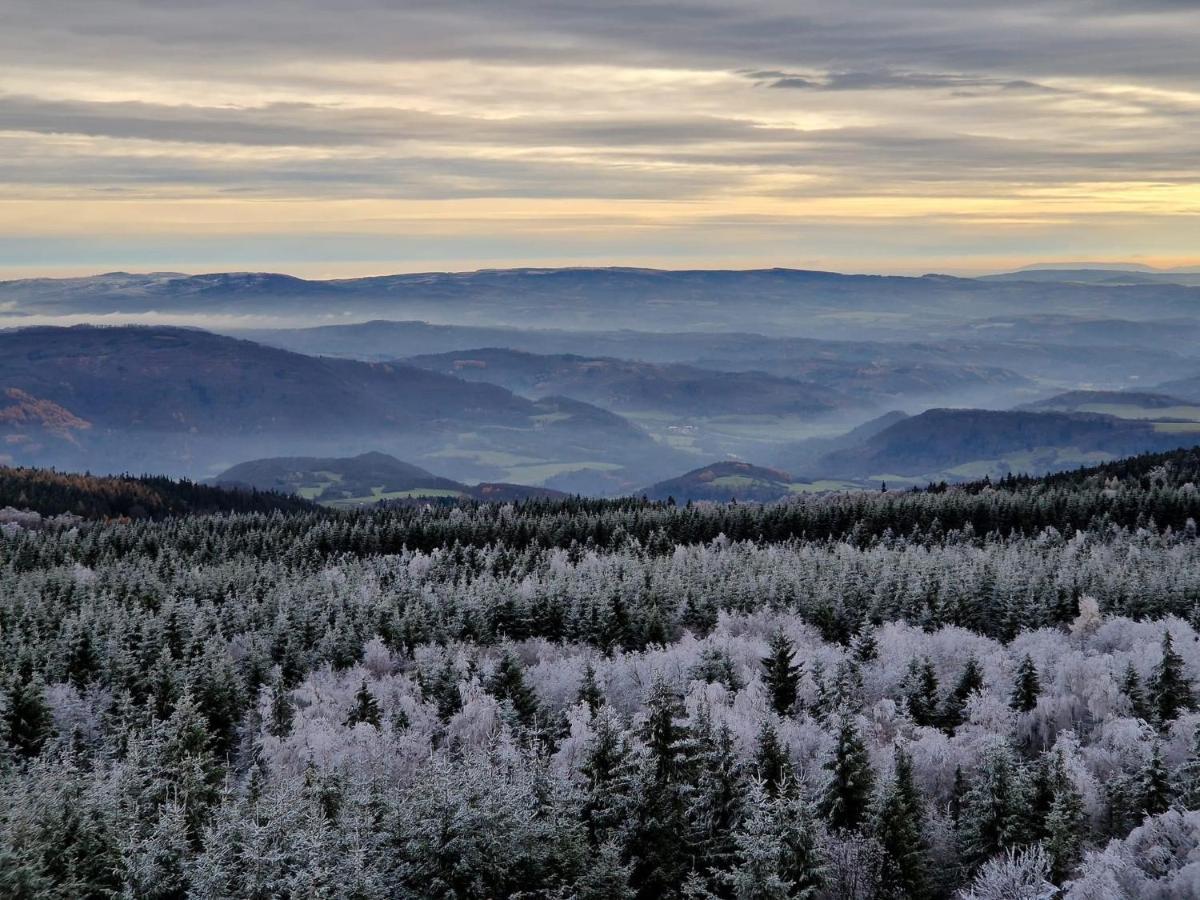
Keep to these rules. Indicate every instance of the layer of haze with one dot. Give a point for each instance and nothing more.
(370, 136)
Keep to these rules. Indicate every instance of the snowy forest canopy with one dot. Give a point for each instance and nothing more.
(985, 691)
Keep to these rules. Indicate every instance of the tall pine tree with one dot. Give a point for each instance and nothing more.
(781, 674)
(847, 798)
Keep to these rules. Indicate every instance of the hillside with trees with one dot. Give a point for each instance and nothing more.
(50, 493)
(920, 693)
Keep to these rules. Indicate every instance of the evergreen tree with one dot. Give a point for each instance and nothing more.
(970, 681)
(992, 815)
(282, 711)
(1026, 687)
(663, 795)
(715, 665)
(1131, 687)
(717, 803)
(507, 684)
(781, 674)
(606, 767)
(899, 829)
(777, 856)
(443, 689)
(847, 796)
(1064, 829)
(589, 691)
(27, 722)
(921, 692)
(1170, 690)
(606, 877)
(772, 765)
(217, 690)
(365, 709)
(864, 646)
(1155, 792)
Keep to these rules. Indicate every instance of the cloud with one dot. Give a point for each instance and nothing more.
(880, 80)
(685, 105)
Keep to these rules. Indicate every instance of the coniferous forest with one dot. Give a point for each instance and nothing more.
(985, 691)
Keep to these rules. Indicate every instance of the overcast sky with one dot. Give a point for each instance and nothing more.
(366, 136)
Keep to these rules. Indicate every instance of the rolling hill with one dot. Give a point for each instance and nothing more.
(191, 402)
(367, 478)
(630, 386)
(956, 444)
(732, 480)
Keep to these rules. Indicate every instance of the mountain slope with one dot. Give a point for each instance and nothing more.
(626, 385)
(964, 443)
(724, 481)
(186, 401)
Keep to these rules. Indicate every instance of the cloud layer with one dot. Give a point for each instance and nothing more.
(400, 135)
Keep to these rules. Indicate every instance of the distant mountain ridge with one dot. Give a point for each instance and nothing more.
(787, 301)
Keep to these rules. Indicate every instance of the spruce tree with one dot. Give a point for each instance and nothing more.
(899, 829)
(781, 674)
(992, 814)
(1131, 687)
(282, 711)
(663, 795)
(1155, 793)
(777, 856)
(606, 768)
(365, 709)
(442, 688)
(1064, 828)
(1026, 687)
(970, 681)
(772, 765)
(847, 796)
(27, 721)
(921, 692)
(589, 691)
(717, 802)
(507, 684)
(605, 877)
(864, 646)
(1170, 690)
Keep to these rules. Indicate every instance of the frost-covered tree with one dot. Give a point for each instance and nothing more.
(781, 674)
(899, 828)
(993, 812)
(1170, 689)
(776, 850)
(365, 709)
(1027, 686)
(921, 691)
(850, 779)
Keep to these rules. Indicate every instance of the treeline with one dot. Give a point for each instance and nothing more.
(51, 493)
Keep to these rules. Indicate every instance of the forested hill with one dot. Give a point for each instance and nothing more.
(52, 493)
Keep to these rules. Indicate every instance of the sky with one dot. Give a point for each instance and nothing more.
(331, 139)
